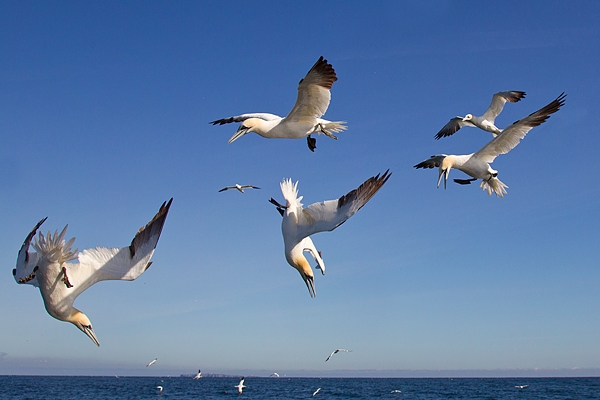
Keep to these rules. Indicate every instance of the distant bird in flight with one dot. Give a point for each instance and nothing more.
(316, 391)
(335, 352)
(240, 386)
(60, 282)
(152, 362)
(299, 223)
(486, 121)
(522, 386)
(304, 119)
(477, 165)
(274, 374)
(160, 389)
(238, 187)
(198, 375)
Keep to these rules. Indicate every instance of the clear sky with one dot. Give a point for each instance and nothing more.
(104, 114)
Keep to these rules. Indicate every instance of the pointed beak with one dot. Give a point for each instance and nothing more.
(242, 130)
(310, 284)
(87, 329)
(443, 173)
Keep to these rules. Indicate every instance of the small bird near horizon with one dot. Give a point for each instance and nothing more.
(486, 121)
(299, 223)
(337, 351)
(198, 375)
(315, 392)
(240, 386)
(238, 187)
(522, 386)
(151, 362)
(160, 389)
(477, 165)
(61, 281)
(314, 96)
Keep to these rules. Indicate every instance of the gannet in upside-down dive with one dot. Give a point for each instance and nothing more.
(477, 165)
(337, 351)
(240, 386)
(299, 223)
(152, 362)
(238, 187)
(313, 99)
(60, 282)
(486, 121)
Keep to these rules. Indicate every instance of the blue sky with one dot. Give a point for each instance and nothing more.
(104, 111)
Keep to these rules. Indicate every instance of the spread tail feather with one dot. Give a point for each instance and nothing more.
(334, 126)
(494, 185)
(290, 194)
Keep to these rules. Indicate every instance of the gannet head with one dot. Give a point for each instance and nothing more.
(444, 171)
(83, 323)
(246, 126)
(468, 117)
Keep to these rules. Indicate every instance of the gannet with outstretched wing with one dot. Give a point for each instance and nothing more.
(60, 282)
(335, 352)
(486, 121)
(314, 95)
(238, 187)
(240, 386)
(477, 165)
(299, 223)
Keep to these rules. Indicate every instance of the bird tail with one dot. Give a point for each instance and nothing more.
(494, 185)
(54, 246)
(290, 194)
(334, 126)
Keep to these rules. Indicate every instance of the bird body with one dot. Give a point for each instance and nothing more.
(299, 223)
(304, 119)
(61, 281)
(238, 187)
(337, 351)
(240, 386)
(477, 165)
(485, 121)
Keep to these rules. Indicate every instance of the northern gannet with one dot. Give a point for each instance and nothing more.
(486, 121)
(160, 389)
(198, 375)
(477, 165)
(313, 99)
(335, 352)
(240, 386)
(60, 282)
(238, 187)
(299, 223)
(151, 362)
(316, 391)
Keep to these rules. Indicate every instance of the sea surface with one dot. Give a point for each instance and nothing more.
(83, 387)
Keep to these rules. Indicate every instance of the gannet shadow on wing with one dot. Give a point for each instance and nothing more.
(477, 165)
(314, 96)
(485, 121)
(239, 188)
(61, 281)
(299, 223)
(337, 351)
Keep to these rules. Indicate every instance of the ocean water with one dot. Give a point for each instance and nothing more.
(83, 387)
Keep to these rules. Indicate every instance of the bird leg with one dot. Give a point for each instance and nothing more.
(280, 207)
(312, 143)
(465, 181)
(29, 277)
(65, 278)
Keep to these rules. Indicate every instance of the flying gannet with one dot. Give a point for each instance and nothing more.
(335, 352)
(316, 391)
(198, 375)
(486, 121)
(152, 362)
(477, 164)
(314, 95)
(240, 386)
(238, 187)
(299, 223)
(60, 282)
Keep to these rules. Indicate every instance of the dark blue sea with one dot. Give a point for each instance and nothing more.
(82, 387)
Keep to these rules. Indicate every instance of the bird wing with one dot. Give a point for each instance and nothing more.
(227, 188)
(243, 117)
(432, 162)
(313, 93)
(27, 261)
(332, 353)
(250, 187)
(512, 135)
(498, 101)
(452, 127)
(328, 215)
(125, 263)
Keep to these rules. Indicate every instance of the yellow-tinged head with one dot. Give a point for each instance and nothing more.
(83, 323)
